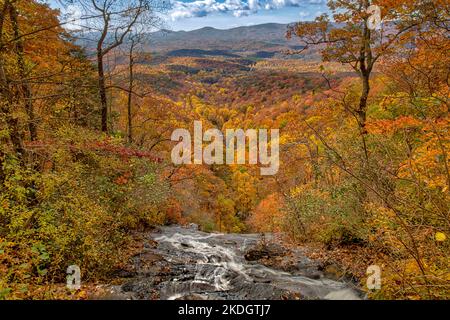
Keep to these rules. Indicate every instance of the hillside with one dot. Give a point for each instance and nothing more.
(258, 41)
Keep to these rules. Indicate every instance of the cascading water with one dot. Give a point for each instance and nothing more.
(212, 266)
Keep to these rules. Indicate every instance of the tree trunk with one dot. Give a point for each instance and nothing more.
(362, 110)
(365, 66)
(102, 91)
(6, 96)
(6, 105)
(24, 86)
(130, 94)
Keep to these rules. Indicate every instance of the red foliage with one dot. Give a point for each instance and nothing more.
(101, 146)
(122, 151)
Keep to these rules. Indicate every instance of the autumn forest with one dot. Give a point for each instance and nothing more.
(88, 106)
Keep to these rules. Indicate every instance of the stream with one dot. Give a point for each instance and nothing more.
(184, 263)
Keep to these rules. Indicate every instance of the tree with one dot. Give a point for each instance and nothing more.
(245, 192)
(23, 27)
(111, 22)
(6, 83)
(351, 40)
(134, 39)
(135, 45)
(267, 216)
(20, 60)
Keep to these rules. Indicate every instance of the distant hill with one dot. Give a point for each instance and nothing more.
(269, 33)
(255, 42)
(258, 41)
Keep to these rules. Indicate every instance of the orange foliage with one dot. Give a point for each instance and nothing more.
(267, 215)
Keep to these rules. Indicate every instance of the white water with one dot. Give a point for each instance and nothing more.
(218, 264)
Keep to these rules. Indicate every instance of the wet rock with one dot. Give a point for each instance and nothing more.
(128, 287)
(315, 276)
(262, 280)
(150, 244)
(256, 254)
(149, 257)
(188, 264)
(193, 297)
(124, 273)
(332, 271)
(113, 293)
(344, 294)
(142, 289)
(193, 226)
(271, 255)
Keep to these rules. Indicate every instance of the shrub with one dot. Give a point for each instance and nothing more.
(75, 210)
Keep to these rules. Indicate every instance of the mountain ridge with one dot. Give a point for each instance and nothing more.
(262, 37)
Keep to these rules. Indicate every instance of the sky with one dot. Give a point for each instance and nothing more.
(224, 14)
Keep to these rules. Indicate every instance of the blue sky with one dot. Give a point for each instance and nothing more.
(225, 14)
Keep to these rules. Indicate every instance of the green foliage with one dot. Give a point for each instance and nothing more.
(76, 210)
(333, 216)
(226, 216)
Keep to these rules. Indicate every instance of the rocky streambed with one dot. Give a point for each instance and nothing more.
(184, 263)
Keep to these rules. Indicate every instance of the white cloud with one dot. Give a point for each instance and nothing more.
(304, 14)
(239, 8)
(240, 13)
